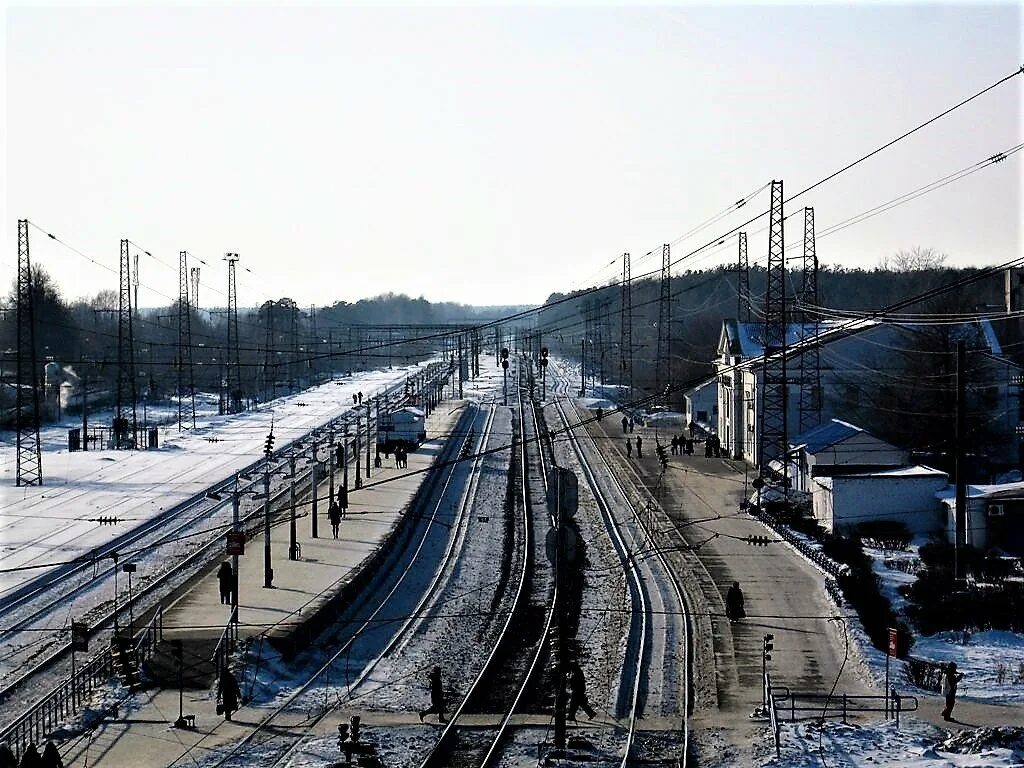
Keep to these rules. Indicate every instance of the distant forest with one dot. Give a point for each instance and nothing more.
(282, 346)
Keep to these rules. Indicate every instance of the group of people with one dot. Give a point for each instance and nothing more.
(31, 757)
(681, 446)
(357, 398)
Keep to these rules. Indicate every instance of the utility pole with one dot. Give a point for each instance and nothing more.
(194, 275)
(663, 366)
(810, 358)
(269, 368)
(29, 470)
(293, 544)
(960, 460)
(743, 281)
(135, 280)
(234, 381)
(355, 456)
(268, 451)
(234, 558)
(125, 357)
(312, 483)
(369, 433)
(185, 380)
(774, 435)
(626, 326)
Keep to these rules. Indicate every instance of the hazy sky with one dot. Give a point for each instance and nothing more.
(493, 155)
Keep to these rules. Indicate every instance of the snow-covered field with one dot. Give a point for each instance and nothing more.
(44, 525)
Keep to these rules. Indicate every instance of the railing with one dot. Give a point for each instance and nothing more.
(822, 706)
(71, 694)
(226, 644)
(769, 695)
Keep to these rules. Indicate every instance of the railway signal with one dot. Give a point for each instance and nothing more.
(504, 373)
(543, 373)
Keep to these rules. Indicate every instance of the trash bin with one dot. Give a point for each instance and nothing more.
(75, 439)
(154, 438)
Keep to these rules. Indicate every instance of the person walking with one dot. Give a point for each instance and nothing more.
(343, 500)
(436, 696)
(334, 515)
(734, 603)
(228, 694)
(639, 447)
(577, 684)
(30, 757)
(625, 425)
(51, 756)
(950, 679)
(226, 578)
(675, 444)
(629, 448)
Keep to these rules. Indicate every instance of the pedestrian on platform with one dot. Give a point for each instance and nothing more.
(51, 756)
(693, 426)
(577, 685)
(228, 694)
(950, 679)
(675, 444)
(734, 603)
(629, 448)
(405, 457)
(225, 576)
(343, 499)
(355, 399)
(360, 398)
(7, 758)
(334, 515)
(377, 461)
(436, 696)
(625, 425)
(707, 447)
(639, 447)
(30, 757)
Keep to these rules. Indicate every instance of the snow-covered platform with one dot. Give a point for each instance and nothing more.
(306, 592)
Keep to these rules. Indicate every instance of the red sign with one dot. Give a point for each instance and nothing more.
(236, 543)
(893, 642)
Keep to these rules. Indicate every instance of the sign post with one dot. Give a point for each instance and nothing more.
(891, 651)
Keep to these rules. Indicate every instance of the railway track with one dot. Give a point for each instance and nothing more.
(39, 609)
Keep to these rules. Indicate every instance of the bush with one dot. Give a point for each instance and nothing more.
(884, 534)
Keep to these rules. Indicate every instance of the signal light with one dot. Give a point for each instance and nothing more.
(759, 541)
(768, 646)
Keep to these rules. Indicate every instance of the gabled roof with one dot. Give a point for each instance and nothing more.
(713, 381)
(747, 339)
(831, 433)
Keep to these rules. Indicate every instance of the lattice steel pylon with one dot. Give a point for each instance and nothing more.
(233, 374)
(186, 384)
(126, 390)
(810, 358)
(268, 369)
(29, 462)
(743, 281)
(194, 285)
(774, 432)
(626, 326)
(663, 365)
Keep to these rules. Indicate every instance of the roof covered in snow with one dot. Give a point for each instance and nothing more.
(826, 435)
(997, 491)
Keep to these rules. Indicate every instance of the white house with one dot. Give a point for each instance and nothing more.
(903, 494)
(702, 405)
(838, 447)
(995, 516)
(866, 372)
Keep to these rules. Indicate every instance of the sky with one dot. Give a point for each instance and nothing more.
(493, 154)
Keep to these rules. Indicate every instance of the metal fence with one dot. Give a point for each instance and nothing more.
(797, 705)
(71, 695)
(226, 644)
(815, 555)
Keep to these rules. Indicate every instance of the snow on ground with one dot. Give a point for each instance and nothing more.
(56, 521)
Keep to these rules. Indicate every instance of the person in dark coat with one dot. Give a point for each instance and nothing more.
(734, 603)
(436, 696)
(639, 447)
(51, 756)
(675, 444)
(689, 447)
(226, 578)
(625, 425)
(629, 448)
(577, 685)
(30, 757)
(7, 758)
(229, 694)
(950, 678)
(334, 515)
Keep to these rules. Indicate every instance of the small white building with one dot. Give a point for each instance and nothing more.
(838, 447)
(995, 516)
(702, 405)
(903, 495)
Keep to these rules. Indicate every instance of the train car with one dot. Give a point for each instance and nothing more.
(404, 427)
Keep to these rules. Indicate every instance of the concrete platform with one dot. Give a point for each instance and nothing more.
(292, 611)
